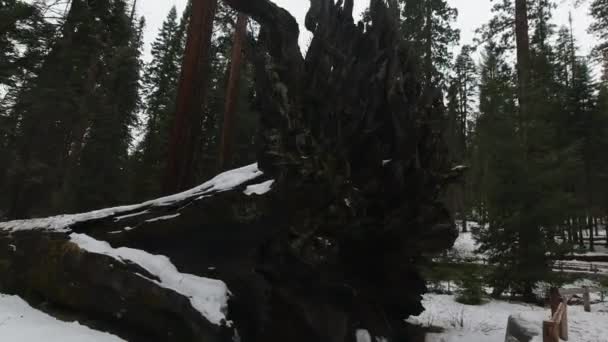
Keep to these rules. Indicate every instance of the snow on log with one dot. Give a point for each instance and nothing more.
(123, 287)
(85, 263)
(223, 182)
(208, 296)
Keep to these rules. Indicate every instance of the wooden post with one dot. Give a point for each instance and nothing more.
(549, 332)
(563, 327)
(586, 299)
(554, 299)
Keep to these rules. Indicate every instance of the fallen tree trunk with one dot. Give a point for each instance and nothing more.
(326, 237)
(55, 260)
(120, 291)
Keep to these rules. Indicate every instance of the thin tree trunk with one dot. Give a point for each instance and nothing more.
(606, 231)
(590, 227)
(133, 10)
(523, 62)
(596, 226)
(428, 67)
(572, 232)
(236, 64)
(581, 232)
(191, 98)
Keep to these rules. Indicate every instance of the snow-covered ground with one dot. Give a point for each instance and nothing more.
(19, 322)
(488, 322)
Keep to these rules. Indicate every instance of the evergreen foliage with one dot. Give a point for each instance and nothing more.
(427, 25)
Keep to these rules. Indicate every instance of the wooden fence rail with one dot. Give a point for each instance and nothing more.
(585, 291)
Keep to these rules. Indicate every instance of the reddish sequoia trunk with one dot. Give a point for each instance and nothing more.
(232, 91)
(191, 96)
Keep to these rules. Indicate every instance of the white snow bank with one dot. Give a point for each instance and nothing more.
(488, 322)
(19, 322)
(222, 182)
(362, 335)
(259, 189)
(208, 296)
(465, 248)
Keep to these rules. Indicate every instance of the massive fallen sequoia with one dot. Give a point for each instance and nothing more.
(320, 239)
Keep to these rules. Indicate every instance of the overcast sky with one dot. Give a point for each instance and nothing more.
(472, 14)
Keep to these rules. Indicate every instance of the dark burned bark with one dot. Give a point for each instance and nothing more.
(351, 121)
(353, 142)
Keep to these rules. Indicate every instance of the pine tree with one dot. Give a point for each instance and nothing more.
(599, 11)
(522, 175)
(160, 90)
(427, 24)
(102, 172)
(55, 111)
(460, 108)
(25, 36)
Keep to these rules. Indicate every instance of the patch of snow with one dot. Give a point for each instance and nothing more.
(384, 162)
(488, 322)
(208, 296)
(131, 215)
(362, 335)
(259, 189)
(19, 322)
(222, 182)
(465, 248)
(163, 218)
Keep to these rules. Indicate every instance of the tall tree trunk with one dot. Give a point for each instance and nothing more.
(133, 10)
(606, 231)
(581, 232)
(572, 231)
(232, 92)
(591, 237)
(428, 58)
(523, 62)
(191, 98)
(596, 226)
